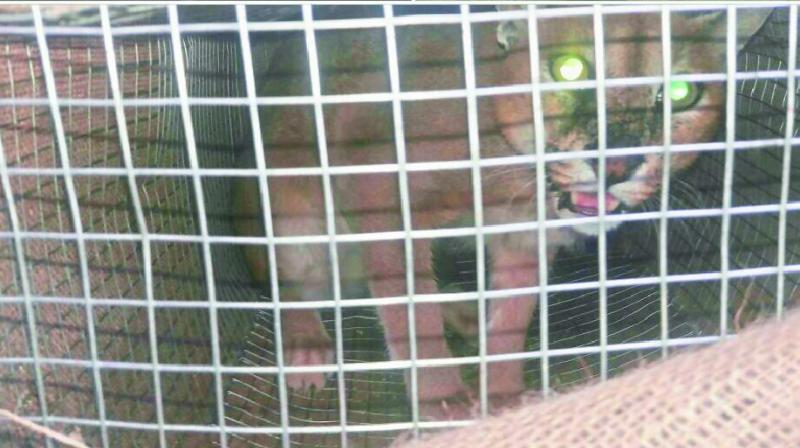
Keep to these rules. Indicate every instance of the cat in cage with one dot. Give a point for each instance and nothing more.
(430, 58)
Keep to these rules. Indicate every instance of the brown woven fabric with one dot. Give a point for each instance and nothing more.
(743, 392)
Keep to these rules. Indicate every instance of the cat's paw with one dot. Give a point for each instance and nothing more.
(506, 384)
(307, 350)
(460, 406)
(443, 396)
(499, 403)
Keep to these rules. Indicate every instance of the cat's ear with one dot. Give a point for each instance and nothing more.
(508, 33)
(748, 22)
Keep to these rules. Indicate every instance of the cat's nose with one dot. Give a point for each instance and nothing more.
(619, 169)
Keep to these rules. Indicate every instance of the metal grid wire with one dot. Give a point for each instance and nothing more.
(128, 313)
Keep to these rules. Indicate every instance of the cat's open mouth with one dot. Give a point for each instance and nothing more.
(586, 203)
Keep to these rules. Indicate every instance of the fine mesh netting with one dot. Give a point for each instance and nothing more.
(116, 266)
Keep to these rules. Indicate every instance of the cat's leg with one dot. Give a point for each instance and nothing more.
(510, 319)
(441, 393)
(305, 341)
(303, 274)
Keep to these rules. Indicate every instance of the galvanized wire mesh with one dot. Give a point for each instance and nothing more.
(141, 326)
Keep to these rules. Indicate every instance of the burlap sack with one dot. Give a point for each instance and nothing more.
(744, 392)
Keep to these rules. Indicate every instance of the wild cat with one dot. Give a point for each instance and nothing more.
(363, 133)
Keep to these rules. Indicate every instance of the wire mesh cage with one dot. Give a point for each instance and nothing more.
(146, 149)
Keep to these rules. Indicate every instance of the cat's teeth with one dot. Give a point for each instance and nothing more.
(587, 204)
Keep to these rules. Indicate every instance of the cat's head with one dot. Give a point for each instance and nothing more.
(634, 113)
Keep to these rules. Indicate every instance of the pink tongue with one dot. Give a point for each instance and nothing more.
(587, 204)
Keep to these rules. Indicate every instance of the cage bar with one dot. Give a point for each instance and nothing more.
(666, 63)
(541, 205)
(730, 137)
(141, 223)
(191, 149)
(74, 213)
(400, 150)
(600, 74)
(258, 146)
(477, 200)
(333, 252)
(791, 82)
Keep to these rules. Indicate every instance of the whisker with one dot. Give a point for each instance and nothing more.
(651, 227)
(519, 191)
(497, 174)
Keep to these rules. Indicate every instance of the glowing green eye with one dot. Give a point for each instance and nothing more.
(569, 68)
(679, 90)
(683, 94)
